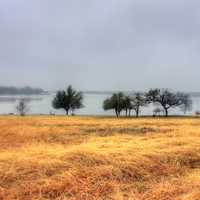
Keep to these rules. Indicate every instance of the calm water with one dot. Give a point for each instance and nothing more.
(93, 105)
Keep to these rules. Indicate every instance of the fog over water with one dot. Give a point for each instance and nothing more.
(41, 104)
(100, 44)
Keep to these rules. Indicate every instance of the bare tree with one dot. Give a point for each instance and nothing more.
(22, 107)
(186, 102)
(138, 100)
(167, 99)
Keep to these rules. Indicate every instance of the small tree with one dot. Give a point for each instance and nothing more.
(197, 113)
(22, 107)
(186, 102)
(69, 100)
(115, 102)
(157, 111)
(138, 100)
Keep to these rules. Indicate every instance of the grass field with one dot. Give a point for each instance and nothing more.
(88, 158)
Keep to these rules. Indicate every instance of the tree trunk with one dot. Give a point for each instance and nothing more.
(116, 112)
(129, 114)
(67, 112)
(137, 112)
(126, 112)
(166, 112)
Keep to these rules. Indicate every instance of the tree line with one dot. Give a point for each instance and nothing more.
(20, 91)
(71, 100)
(163, 98)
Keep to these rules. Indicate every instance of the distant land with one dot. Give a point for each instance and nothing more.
(107, 92)
(11, 90)
(193, 94)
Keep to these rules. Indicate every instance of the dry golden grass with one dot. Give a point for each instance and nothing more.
(88, 158)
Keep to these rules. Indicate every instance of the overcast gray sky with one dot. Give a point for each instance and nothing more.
(100, 44)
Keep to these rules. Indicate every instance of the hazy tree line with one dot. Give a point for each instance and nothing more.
(70, 100)
(164, 98)
(20, 91)
(121, 103)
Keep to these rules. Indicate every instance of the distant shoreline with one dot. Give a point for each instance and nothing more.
(192, 94)
(11, 90)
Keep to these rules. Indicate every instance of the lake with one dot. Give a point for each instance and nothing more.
(41, 104)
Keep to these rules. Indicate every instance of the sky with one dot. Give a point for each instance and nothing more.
(100, 44)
